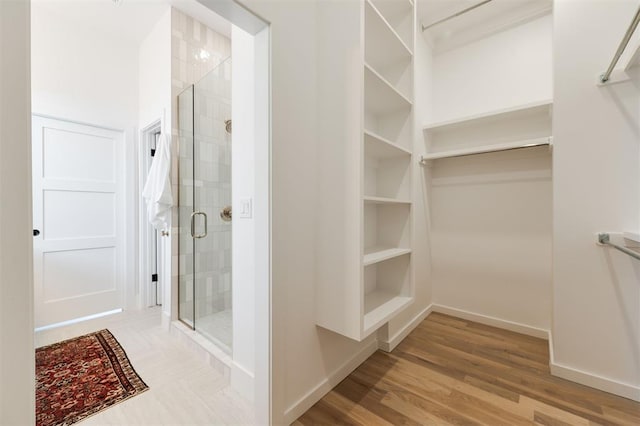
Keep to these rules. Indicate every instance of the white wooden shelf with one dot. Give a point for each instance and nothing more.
(382, 98)
(489, 148)
(383, 45)
(380, 307)
(380, 147)
(379, 254)
(519, 111)
(384, 200)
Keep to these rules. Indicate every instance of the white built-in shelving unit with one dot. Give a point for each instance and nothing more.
(387, 287)
(378, 283)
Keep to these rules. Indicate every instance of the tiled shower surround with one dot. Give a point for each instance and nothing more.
(197, 55)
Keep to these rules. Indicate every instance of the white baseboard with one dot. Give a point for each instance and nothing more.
(391, 344)
(314, 395)
(492, 321)
(592, 380)
(242, 381)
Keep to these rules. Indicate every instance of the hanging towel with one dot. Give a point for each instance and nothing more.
(157, 190)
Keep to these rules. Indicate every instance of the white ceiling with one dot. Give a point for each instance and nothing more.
(130, 20)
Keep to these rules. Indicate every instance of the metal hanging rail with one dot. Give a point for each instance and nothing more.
(424, 159)
(455, 15)
(623, 45)
(604, 239)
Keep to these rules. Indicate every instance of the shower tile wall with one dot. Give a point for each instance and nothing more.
(213, 190)
(195, 50)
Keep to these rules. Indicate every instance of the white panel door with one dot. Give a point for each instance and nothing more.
(78, 209)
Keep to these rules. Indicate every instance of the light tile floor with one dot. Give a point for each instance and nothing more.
(218, 326)
(183, 388)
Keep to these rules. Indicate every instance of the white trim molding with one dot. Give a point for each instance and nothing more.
(243, 381)
(605, 384)
(314, 395)
(492, 321)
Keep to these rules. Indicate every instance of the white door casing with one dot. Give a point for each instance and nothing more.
(78, 207)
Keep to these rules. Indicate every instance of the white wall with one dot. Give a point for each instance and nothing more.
(80, 74)
(83, 75)
(17, 364)
(303, 354)
(596, 182)
(154, 72)
(490, 215)
(244, 235)
(506, 69)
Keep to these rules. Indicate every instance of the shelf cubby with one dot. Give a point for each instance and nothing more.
(395, 20)
(393, 126)
(399, 15)
(387, 290)
(379, 147)
(381, 97)
(386, 224)
(381, 35)
(387, 177)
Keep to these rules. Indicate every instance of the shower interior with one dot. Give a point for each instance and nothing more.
(204, 212)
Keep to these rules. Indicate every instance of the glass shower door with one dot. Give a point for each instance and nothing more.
(205, 220)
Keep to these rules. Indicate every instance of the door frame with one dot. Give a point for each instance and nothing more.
(17, 216)
(148, 237)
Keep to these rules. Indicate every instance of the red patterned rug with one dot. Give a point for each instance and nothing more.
(82, 376)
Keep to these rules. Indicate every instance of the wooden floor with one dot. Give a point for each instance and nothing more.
(452, 371)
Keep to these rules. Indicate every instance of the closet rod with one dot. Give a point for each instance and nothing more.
(623, 45)
(606, 240)
(455, 15)
(488, 149)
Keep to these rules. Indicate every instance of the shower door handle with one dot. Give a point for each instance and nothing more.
(193, 225)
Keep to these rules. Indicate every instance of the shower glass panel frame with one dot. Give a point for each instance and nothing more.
(204, 187)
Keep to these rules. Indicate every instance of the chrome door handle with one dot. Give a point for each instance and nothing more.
(193, 225)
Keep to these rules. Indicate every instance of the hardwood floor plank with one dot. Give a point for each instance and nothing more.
(416, 406)
(354, 411)
(402, 377)
(495, 390)
(545, 420)
(455, 371)
(373, 398)
(553, 412)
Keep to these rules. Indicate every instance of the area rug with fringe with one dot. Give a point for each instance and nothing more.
(82, 376)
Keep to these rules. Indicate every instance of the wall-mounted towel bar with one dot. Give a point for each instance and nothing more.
(623, 44)
(604, 239)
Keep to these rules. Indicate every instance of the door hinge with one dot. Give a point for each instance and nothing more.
(154, 278)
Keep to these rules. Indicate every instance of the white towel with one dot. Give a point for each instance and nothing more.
(157, 190)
